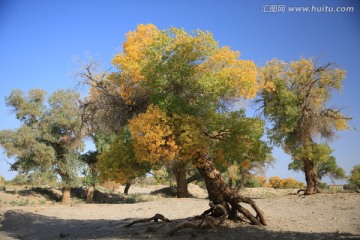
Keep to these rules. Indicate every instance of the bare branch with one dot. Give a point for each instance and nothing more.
(155, 218)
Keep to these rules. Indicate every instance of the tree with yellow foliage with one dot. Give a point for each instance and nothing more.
(173, 90)
(294, 99)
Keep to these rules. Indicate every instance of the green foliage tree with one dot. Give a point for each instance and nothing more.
(2, 181)
(20, 179)
(42, 178)
(294, 99)
(355, 176)
(173, 90)
(324, 168)
(90, 174)
(118, 162)
(50, 137)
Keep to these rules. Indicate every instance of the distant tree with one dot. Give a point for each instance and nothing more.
(118, 162)
(91, 174)
(263, 181)
(294, 99)
(284, 183)
(324, 168)
(289, 183)
(243, 172)
(20, 179)
(2, 181)
(275, 182)
(42, 177)
(355, 176)
(50, 136)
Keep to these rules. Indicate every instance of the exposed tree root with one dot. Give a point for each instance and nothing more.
(213, 217)
(259, 219)
(220, 193)
(195, 225)
(155, 218)
(199, 221)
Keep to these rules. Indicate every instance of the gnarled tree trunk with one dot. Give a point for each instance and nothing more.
(221, 194)
(310, 177)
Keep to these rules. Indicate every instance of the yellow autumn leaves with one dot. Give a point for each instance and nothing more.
(153, 137)
(218, 70)
(129, 61)
(178, 74)
(160, 138)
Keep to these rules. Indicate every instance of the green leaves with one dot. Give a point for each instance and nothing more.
(355, 176)
(177, 86)
(50, 137)
(118, 162)
(294, 99)
(27, 108)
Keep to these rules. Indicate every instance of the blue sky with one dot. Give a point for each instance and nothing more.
(39, 41)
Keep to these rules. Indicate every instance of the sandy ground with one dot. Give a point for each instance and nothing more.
(322, 216)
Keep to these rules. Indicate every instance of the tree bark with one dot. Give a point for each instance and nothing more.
(310, 177)
(66, 199)
(126, 189)
(66, 196)
(179, 171)
(90, 194)
(220, 193)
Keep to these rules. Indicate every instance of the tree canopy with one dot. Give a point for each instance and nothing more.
(174, 90)
(294, 99)
(355, 176)
(50, 137)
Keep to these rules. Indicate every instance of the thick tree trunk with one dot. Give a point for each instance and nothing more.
(126, 189)
(66, 196)
(310, 177)
(66, 199)
(220, 194)
(179, 171)
(90, 194)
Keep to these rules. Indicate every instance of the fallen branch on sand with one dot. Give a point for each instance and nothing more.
(155, 218)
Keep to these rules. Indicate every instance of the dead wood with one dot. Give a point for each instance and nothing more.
(155, 218)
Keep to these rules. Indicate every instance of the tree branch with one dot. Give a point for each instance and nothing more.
(155, 218)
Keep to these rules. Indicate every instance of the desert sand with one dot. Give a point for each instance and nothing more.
(290, 216)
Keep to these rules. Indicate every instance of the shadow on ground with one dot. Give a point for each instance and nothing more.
(24, 225)
(168, 192)
(99, 196)
(79, 193)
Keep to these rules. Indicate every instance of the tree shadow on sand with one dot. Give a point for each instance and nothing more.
(99, 196)
(79, 193)
(24, 225)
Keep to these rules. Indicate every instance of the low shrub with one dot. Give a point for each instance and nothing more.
(285, 183)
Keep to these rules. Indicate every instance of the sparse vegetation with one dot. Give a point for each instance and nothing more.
(286, 183)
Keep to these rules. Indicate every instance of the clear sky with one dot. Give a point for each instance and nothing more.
(39, 41)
